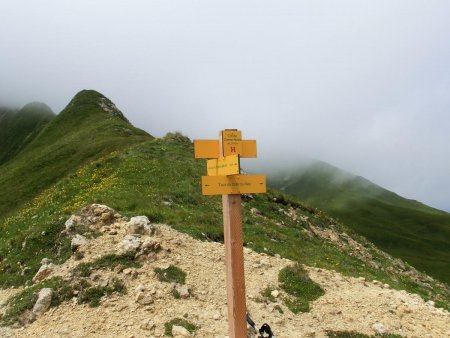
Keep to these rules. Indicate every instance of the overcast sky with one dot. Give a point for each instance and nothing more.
(363, 85)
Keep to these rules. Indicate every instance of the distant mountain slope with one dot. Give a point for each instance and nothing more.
(87, 128)
(19, 128)
(405, 228)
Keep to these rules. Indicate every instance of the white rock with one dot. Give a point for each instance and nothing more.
(78, 241)
(379, 328)
(430, 303)
(45, 261)
(130, 244)
(140, 288)
(182, 290)
(140, 225)
(70, 222)
(148, 324)
(275, 293)
(150, 245)
(180, 331)
(44, 271)
(43, 302)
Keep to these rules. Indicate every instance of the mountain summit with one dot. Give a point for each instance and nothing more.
(89, 101)
(89, 127)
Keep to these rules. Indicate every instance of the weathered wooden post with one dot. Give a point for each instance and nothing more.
(224, 179)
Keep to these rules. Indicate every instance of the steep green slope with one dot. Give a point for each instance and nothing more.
(19, 128)
(87, 128)
(405, 228)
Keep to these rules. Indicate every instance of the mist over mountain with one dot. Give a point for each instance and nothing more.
(19, 127)
(403, 227)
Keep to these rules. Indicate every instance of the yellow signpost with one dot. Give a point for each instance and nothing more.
(224, 179)
(228, 165)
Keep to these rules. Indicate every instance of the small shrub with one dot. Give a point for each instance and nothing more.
(175, 294)
(93, 295)
(279, 309)
(346, 334)
(172, 274)
(294, 280)
(179, 322)
(78, 255)
(213, 236)
(267, 293)
(107, 261)
(353, 334)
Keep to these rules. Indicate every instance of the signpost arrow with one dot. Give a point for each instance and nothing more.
(235, 184)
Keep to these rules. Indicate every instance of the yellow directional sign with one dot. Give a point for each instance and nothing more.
(231, 142)
(210, 149)
(236, 184)
(228, 165)
(206, 148)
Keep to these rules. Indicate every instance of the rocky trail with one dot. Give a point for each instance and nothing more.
(349, 304)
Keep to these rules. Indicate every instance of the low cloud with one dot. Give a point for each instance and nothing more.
(363, 86)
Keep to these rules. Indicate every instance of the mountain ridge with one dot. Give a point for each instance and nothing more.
(98, 162)
(82, 131)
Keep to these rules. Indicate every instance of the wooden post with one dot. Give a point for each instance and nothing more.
(224, 179)
(234, 260)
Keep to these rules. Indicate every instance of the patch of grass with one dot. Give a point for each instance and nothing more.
(294, 280)
(353, 334)
(62, 291)
(175, 294)
(346, 334)
(179, 322)
(106, 262)
(267, 293)
(278, 308)
(172, 274)
(93, 295)
(26, 299)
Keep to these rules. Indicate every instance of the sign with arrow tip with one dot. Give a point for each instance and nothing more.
(235, 184)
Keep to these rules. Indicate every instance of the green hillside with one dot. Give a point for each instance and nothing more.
(92, 155)
(405, 228)
(89, 127)
(19, 128)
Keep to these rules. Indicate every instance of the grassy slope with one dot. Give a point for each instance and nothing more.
(405, 228)
(159, 178)
(81, 132)
(19, 128)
